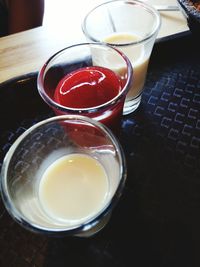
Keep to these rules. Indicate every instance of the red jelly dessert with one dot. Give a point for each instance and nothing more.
(87, 87)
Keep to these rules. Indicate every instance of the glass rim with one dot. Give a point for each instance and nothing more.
(54, 104)
(88, 224)
(145, 5)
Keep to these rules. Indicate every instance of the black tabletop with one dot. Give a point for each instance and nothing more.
(157, 220)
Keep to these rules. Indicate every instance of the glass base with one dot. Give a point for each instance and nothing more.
(131, 105)
(94, 230)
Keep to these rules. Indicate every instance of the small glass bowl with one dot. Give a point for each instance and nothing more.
(40, 146)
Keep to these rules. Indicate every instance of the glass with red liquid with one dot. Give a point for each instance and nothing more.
(85, 79)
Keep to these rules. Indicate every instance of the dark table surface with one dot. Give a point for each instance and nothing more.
(157, 220)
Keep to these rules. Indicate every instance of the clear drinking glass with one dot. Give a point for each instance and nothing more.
(79, 56)
(132, 27)
(45, 143)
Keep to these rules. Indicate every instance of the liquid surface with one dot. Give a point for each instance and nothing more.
(136, 55)
(87, 87)
(73, 188)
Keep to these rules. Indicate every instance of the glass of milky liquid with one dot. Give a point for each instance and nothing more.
(63, 176)
(132, 27)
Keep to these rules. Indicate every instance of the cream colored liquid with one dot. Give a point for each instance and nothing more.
(73, 188)
(136, 55)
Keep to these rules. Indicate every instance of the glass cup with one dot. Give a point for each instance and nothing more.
(74, 58)
(63, 176)
(132, 27)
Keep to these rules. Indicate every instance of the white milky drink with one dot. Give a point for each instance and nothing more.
(136, 54)
(73, 188)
